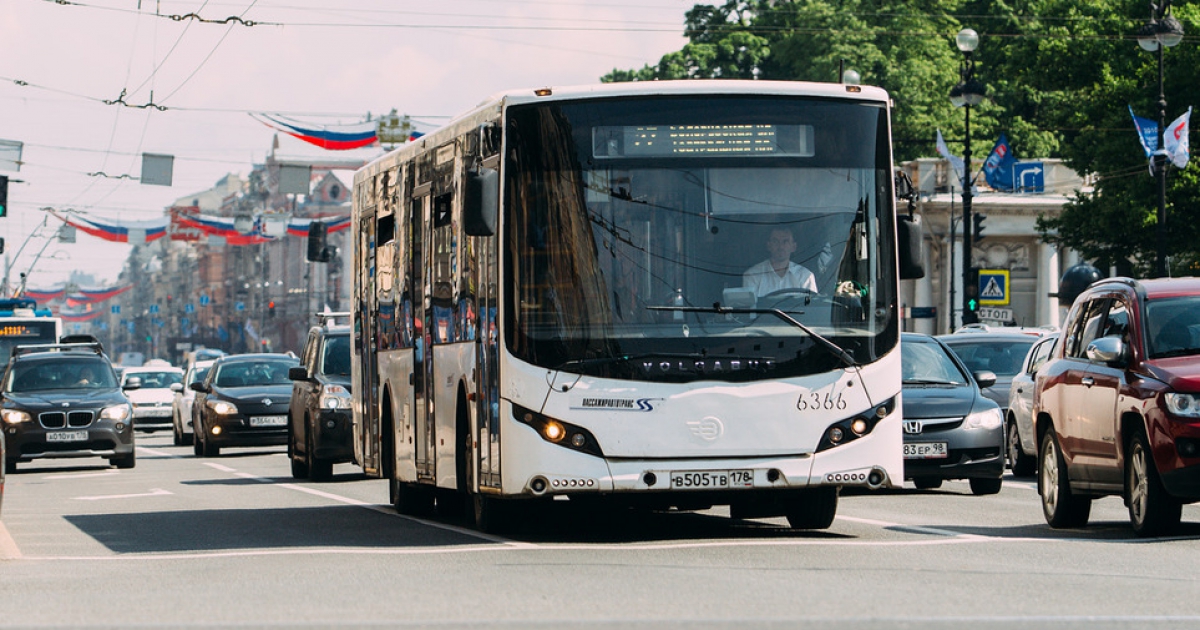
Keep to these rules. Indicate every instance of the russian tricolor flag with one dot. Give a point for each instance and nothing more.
(332, 137)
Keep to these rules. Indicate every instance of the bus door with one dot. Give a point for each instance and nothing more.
(423, 433)
(366, 333)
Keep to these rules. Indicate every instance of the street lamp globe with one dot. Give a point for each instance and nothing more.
(967, 40)
(956, 96)
(1170, 31)
(1147, 36)
(973, 92)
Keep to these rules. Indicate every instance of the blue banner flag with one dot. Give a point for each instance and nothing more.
(998, 169)
(1147, 132)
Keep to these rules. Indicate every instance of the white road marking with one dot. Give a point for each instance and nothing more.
(107, 473)
(8, 546)
(154, 492)
(220, 467)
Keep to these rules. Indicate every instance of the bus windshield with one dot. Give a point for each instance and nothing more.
(751, 203)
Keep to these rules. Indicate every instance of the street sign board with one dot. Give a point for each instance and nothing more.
(994, 314)
(1029, 177)
(993, 287)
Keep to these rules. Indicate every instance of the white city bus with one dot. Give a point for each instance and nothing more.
(549, 300)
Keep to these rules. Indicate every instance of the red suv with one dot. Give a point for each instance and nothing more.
(1117, 406)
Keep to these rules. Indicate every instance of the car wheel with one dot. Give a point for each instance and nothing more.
(210, 449)
(126, 462)
(318, 469)
(1060, 506)
(197, 447)
(1152, 511)
(981, 486)
(927, 483)
(299, 464)
(813, 509)
(10, 466)
(1022, 465)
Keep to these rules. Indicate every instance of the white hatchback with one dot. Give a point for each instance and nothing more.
(181, 407)
(152, 402)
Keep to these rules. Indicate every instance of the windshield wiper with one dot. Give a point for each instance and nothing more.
(822, 341)
(928, 381)
(1179, 352)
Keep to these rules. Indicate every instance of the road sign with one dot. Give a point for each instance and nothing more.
(189, 308)
(116, 308)
(241, 306)
(993, 287)
(203, 300)
(153, 308)
(1029, 177)
(991, 313)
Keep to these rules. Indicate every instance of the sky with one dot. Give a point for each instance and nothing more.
(320, 61)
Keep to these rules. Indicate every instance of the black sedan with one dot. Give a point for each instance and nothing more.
(243, 401)
(951, 430)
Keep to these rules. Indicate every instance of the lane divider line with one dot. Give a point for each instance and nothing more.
(8, 546)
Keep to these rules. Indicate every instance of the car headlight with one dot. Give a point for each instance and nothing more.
(1186, 405)
(116, 412)
(987, 419)
(335, 397)
(15, 416)
(222, 408)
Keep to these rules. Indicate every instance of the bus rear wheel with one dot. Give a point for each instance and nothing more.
(492, 515)
(814, 508)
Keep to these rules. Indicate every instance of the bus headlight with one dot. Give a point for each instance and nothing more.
(117, 412)
(558, 432)
(15, 416)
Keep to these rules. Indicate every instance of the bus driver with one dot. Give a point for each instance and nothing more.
(779, 272)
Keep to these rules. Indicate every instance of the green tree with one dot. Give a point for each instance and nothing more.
(1061, 75)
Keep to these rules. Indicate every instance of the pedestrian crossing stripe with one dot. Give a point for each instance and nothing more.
(992, 291)
(994, 287)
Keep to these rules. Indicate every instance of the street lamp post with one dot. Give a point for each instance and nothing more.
(967, 93)
(1162, 30)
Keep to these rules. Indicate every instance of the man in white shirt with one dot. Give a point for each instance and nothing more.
(779, 272)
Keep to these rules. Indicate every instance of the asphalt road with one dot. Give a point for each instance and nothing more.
(236, 542)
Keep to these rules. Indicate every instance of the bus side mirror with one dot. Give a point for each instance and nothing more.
(481, 202)
(909, 244)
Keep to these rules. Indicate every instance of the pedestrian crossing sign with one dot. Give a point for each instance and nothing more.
(993, 287)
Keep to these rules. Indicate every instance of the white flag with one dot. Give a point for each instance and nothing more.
(955, 162)
(1175, 140)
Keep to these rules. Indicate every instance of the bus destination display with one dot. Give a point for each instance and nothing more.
(641, 141)
(21, 330)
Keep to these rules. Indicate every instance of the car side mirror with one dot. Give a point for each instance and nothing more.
(298, 373)
(198, 387)
(133, 382)
(176, 387)
(1110, 350)
(985, 378)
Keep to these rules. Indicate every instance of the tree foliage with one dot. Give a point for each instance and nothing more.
(1061, 76)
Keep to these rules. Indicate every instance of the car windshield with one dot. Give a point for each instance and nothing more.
(198, 374)
(67, 374)
(1173, 326)
(335, 357)
(156, 380)
(927, 364)
(1002, 357)
(253, 374)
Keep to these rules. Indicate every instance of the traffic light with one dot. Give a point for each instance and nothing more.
(3, 195)
(317, 250)
(977, 232)
(271, 308)
(971, 292)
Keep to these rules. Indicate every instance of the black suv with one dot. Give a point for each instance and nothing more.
(319, 417)
(63, 400)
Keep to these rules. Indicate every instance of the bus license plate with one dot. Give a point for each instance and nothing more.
(67, 436)
(926, 450)
(268, 421)
(711, 479)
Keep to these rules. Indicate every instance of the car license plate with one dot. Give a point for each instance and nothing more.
(926, 450)
(711, 479)
(268, 421)
(67, 436)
